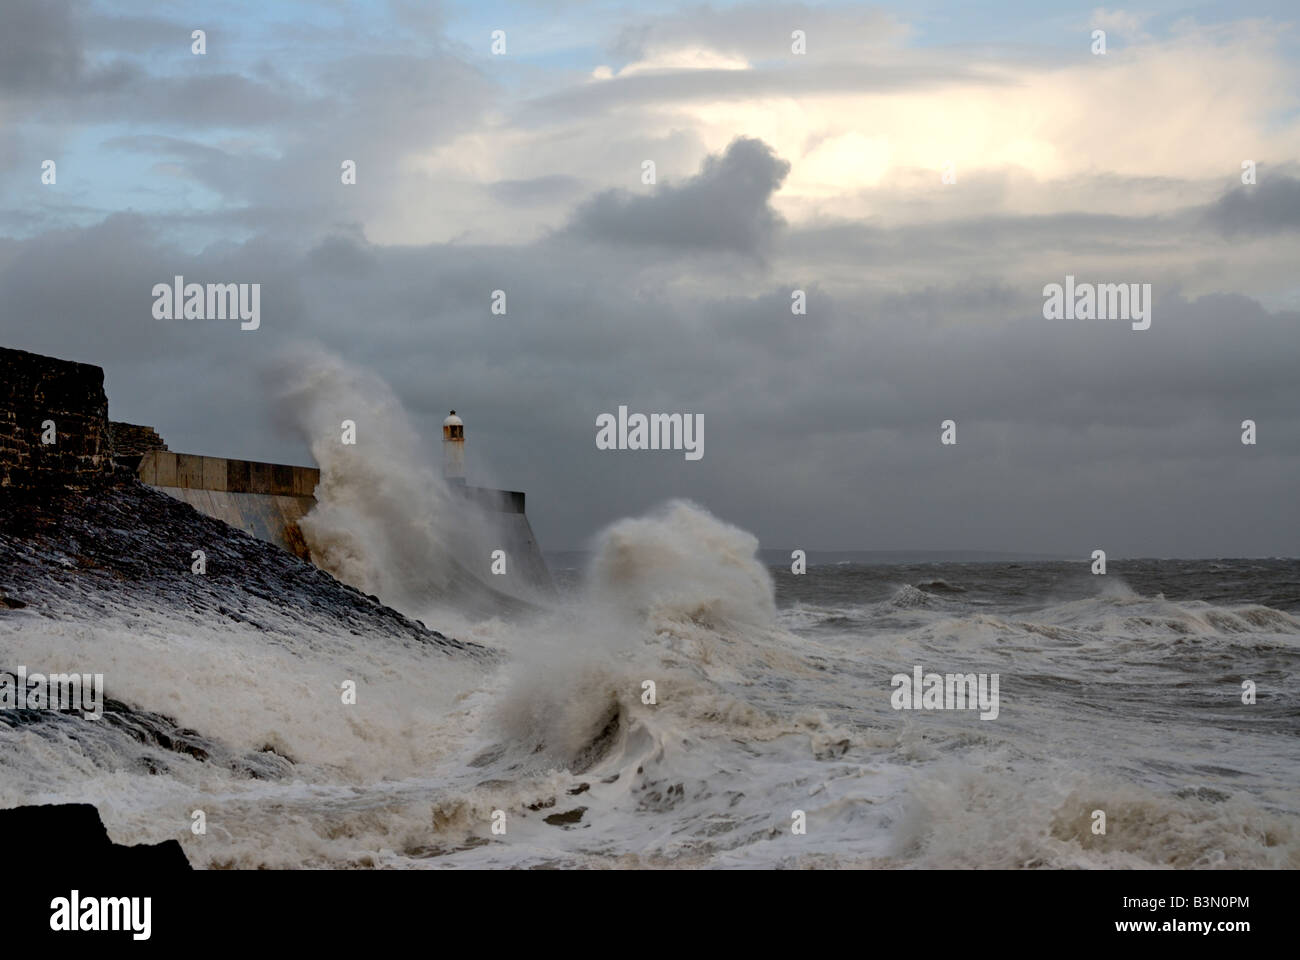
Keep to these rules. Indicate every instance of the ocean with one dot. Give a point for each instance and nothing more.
(679, 703)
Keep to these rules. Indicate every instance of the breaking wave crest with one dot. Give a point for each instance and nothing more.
(682, 564)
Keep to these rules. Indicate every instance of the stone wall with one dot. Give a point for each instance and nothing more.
(35, 390)
(133, 440)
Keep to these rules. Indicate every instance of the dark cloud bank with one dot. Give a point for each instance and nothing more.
(821, 430)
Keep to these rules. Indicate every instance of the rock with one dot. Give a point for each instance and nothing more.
(72, 837)
(130, 545)
(566, 818)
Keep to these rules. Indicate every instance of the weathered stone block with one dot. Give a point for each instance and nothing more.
(166, 466)
(35, 390)
(214, 473)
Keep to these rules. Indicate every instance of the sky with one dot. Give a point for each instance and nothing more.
(920, 171)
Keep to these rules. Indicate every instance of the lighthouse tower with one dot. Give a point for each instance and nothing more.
(453, 448)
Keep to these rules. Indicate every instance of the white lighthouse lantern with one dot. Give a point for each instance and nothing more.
(453, 448)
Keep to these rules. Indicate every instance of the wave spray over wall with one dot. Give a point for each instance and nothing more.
(386, 521)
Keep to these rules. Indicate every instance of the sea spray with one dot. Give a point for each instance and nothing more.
(679, 575)
(681, 562)
(385, 520)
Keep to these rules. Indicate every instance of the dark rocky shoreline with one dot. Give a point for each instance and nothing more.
(73, 554)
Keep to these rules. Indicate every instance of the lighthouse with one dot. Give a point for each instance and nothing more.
(453, 448)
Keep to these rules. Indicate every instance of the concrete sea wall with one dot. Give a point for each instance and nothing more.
(266, 500)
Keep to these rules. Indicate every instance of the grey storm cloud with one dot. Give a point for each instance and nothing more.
(40, 47)
(536, 189)
(837, 411)
(985, 241)
(101, 69)
(1269, 206)
(379, 110)
(55, 50)
(725, 207)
